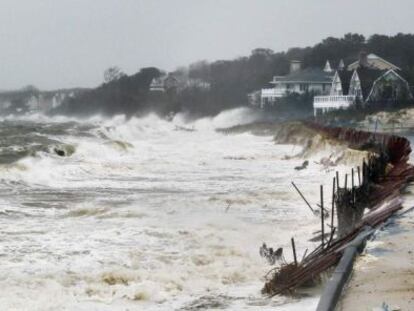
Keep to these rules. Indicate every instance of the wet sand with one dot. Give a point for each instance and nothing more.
(384, 273)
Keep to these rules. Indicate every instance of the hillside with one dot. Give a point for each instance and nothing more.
(232, 80)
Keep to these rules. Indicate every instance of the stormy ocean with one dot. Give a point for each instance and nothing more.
(147, 214)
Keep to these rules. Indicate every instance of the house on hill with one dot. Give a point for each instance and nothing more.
(164, 83)
(34, 101)
(371, 80)
(317, 80)
(176, 82)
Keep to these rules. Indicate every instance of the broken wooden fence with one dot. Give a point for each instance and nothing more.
(380, 180)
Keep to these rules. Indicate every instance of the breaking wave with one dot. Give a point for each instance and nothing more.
(148, 213)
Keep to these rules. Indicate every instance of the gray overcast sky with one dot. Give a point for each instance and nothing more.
(67, 43)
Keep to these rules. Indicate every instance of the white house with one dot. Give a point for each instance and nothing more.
(299, 81)
(164, 83)
(177, 82)
(372, 80)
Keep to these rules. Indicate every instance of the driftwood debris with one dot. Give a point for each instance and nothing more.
(271, 256)
(303, 166)
(380, 181)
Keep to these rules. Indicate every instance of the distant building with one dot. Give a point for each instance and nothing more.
(299, 81)
(370, 80)
(164, 83)
(197, 83)
(31, 100)
(176, 82)
(254, 98)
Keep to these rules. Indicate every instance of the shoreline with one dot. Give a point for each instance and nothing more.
(399, 149)
(382, 277)
(384, 273)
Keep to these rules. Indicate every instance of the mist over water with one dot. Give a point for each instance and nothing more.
(146, 214)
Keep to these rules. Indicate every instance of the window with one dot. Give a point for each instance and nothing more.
(304, 87)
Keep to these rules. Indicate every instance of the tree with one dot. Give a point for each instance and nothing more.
(112, 74)
(30, 88)
(231, 80)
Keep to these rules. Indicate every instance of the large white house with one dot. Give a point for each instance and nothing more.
(316, 80)
(369, 80)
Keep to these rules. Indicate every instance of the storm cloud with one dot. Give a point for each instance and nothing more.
(68, 43)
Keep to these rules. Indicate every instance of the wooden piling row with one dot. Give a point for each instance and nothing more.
(384, 174)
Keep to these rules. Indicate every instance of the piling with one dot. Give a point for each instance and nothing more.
(333, 205)
(322, 220)
(294, 251)
(375, 191)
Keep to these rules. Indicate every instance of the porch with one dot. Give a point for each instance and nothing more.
(323, 104)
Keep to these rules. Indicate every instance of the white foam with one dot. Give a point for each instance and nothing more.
(136, 217)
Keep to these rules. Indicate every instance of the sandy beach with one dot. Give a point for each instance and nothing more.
(384, 273)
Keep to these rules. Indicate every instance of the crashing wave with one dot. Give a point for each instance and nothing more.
(119, 145)
(314, 143)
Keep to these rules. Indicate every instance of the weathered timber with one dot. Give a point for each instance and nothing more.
(384, 174)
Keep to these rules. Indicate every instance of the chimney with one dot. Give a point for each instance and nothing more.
(363, 58)
(295, 65)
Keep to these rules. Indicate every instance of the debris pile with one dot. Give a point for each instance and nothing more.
(376, 190)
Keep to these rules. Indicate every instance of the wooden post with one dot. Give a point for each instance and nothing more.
(331, 237)
(322, 220)
(333, 204)
(294, 251)
(364, 172)
(352, 184)
(303, 197)
(359, 176)
(346, 181)
(352, 175)
(337, 180)
(304, 255)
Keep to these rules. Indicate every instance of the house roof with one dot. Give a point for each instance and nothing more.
(373, 57)
(367, 78)
(345, 77)
(306, 75)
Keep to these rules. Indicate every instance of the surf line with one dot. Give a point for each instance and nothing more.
(380, 180)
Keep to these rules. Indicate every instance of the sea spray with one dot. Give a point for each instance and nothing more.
(138, 216)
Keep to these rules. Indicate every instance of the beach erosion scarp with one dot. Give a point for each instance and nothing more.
(396, 174)
(384, 273)
(316, 144)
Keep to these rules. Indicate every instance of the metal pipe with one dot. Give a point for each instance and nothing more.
(303, 197)
(333, 289)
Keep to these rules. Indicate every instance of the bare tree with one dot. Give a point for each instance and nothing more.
(112, 74)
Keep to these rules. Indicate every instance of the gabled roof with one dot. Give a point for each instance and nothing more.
(374, 57)
(345, 77)
(367, 78)
(312, 75)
